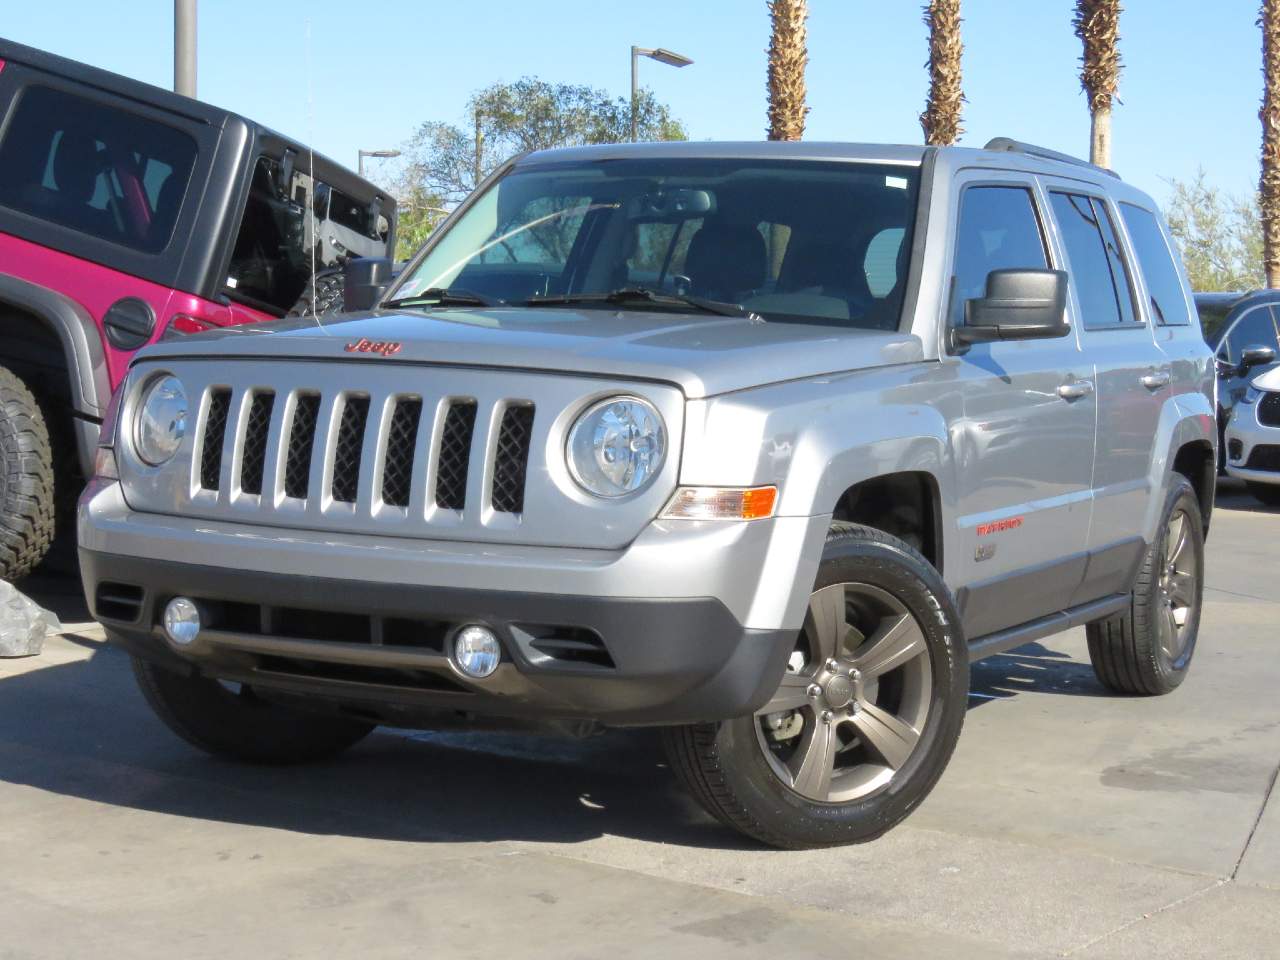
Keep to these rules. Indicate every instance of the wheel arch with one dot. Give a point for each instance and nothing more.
(906, 504)
(66, 322)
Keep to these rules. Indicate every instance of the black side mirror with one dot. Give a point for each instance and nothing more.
(1256, 356)
(364, 281)
(1019, 305)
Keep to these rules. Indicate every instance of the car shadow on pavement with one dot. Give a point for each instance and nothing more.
(82, 730)
(1033, 668)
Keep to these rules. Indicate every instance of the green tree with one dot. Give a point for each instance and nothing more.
(1220, 236)
(447, 161)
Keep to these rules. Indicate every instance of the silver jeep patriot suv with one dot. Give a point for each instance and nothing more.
(758, 443)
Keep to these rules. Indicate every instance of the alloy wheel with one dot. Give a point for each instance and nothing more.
(1176, 594)
(852, 705)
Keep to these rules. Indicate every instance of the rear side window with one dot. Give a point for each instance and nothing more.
(1168, 301)
(998, 230)
(1098, 270)
(100, 171)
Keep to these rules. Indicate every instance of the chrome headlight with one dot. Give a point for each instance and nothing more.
(617, 447)
(162, 420)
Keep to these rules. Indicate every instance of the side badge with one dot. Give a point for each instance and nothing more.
(985, 551)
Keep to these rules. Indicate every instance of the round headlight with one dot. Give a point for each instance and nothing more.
(162, 420)
(617, 447)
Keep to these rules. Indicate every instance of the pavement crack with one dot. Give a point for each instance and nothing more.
(1262, 809)
(1144, 917)
(1243, 596)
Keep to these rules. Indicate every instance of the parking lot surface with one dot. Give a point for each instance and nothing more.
(1069, 823)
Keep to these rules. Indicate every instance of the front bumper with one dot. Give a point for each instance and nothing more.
(659, 633)
(1252, 448)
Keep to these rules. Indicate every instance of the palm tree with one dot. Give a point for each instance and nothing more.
(1269, 185)
(1097, 24)
(788, 57)
(941, 117)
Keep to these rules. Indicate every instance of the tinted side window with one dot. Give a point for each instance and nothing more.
(998, 230)
(1257, 328)
(1168, 302)
(1097, 268)
(95, 169)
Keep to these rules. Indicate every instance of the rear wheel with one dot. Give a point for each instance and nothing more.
(231, 721)
(1147, 648)
(26, 480)
(865, 717)
(1268, 493)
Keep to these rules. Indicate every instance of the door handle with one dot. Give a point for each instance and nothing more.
(1076, 389)
(1154, 381)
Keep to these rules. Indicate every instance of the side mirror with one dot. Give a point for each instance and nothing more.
(1256, 356)
(364, 281)
(1019, 305)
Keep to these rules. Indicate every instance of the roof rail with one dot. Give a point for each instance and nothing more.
(1006, 145)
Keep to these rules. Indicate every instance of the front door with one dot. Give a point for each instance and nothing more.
(1024, 444)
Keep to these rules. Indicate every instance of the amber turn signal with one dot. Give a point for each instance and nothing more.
(721, 503)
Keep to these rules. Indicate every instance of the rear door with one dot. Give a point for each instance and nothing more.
(1131, 376)
(1024, 445)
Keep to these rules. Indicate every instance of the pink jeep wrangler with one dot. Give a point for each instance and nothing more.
(129, 214)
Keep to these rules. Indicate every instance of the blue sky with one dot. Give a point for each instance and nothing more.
(378, 68)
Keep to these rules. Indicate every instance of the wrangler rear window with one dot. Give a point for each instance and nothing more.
(96, 169)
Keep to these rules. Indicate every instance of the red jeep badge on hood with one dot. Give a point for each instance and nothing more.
(382, 347)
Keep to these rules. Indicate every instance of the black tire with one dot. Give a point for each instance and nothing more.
(26, 480)
(1266, 493)
(724, 764)
(323, 296)
(1127, 650)
(239, 725)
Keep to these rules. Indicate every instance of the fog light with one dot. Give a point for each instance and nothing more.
(476, 651)
(181, 620)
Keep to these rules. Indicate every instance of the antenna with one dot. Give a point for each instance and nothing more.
(309, 209)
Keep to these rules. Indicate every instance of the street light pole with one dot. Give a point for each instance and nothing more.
(662, 55)
(184, 47)
(361, 154)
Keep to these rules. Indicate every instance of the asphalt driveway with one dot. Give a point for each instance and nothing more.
(1070, 822)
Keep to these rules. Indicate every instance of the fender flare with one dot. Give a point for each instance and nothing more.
(88, 379)
(1185, 418)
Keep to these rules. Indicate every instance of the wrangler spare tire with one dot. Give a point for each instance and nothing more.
(26, 480)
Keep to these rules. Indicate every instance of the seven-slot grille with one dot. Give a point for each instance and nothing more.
(348, 428)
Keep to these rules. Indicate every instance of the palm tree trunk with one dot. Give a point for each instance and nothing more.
(1097, 24)
(1269, 184)
(788, 57)
(941, 117)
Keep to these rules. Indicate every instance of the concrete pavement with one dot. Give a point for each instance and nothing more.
(1070, 823)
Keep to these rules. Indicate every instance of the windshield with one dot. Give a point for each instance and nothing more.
(795, 241)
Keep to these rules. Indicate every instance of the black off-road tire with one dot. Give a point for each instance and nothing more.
(723, 767)
(1125, 648)
(323, 296)
(1266, 493)
(239, 725)
(27, 485)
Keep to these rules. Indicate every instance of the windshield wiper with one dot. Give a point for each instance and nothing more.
(634, 295)
(446, 298)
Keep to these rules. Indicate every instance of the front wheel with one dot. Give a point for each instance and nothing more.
(233, 722)
(865, 717)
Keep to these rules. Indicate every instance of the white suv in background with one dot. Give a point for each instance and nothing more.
(1253, 438)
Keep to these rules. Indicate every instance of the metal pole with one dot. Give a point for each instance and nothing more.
(360, 163)
(479, 150)
(184, 47)
(635, 91)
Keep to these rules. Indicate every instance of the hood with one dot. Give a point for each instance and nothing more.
(1267, 380)
(703, 355)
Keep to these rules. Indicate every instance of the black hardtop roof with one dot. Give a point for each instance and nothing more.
(158, 97)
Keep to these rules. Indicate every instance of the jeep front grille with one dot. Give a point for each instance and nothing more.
(255, 442)
(215, 431)
(346, 455)
(512, 458)
(455, 455)
(339, 438)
